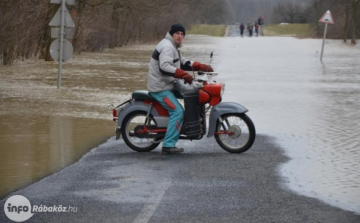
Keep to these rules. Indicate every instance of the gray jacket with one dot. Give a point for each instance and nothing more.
(163, 63)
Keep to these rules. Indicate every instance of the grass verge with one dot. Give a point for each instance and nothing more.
(211, 30)
(296, 30)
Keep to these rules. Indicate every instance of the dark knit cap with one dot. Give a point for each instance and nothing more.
(177, 27)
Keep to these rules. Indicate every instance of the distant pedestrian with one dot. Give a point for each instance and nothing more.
(261, 20)
(256, 29)
(242, 27)
(250, 28)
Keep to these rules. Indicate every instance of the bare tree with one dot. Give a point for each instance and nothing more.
(289, 12)
(347, 5)
(354, 10)
(21, 28)
(24, 29)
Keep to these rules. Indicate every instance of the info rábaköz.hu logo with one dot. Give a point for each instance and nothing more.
(18, 208)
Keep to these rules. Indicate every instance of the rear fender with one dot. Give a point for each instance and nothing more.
(134, 106)
(223, 109)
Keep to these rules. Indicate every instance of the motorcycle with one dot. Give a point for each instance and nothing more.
(142, 121)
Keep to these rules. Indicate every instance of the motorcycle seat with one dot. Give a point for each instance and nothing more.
(141, 95)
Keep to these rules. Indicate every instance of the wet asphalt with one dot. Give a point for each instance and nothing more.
(205, 184)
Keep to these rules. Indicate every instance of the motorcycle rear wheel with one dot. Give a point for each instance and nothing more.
(243, 135)
(127, 131)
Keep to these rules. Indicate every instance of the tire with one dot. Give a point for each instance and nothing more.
(244, 133)
(135, 143)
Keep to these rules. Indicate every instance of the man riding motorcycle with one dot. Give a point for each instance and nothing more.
(167, 74)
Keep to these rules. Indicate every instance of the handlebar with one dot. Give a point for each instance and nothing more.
(202, 76)
(208, 73)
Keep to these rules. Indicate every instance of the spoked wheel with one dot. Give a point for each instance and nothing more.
(237, 133)
(136, 143)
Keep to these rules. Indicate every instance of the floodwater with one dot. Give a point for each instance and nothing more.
(44, 129)
(311, 108)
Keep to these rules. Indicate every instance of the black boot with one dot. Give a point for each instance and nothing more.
(171, 150)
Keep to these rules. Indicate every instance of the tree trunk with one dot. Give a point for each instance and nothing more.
(47, 54)
(346, 26)
(115, 21)
(76, 37)
(3, 55)
(353, 28)
(9, 58)
(122, 32)
(23, 53)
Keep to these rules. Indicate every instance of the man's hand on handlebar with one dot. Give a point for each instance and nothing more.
(202, 67)
(188, 80)
(184, 75)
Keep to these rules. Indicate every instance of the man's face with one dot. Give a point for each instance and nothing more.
(178, 37)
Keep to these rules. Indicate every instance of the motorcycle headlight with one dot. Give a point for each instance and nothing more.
(222, 89)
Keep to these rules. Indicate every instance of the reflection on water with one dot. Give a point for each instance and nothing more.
(35, 146)
(60, 138)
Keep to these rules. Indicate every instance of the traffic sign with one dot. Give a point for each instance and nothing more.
(61, 49)
(69, 2)
(56, 21)
(327, 18)
(55, 50)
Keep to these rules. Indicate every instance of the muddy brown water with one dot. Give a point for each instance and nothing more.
(44, 129)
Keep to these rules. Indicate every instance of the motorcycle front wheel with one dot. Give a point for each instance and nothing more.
(127, 131)
(241, 133)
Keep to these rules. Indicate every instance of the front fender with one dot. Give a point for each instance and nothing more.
(221, 109)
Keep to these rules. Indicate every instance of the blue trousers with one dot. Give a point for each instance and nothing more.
(168, 100)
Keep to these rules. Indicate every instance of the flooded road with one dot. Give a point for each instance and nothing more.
(309, 107)
(312, 108)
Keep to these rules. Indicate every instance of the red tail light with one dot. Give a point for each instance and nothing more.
(114, 113)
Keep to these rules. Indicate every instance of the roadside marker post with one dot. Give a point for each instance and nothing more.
(327, 19)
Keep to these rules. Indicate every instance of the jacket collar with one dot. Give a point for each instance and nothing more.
(169, 37)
